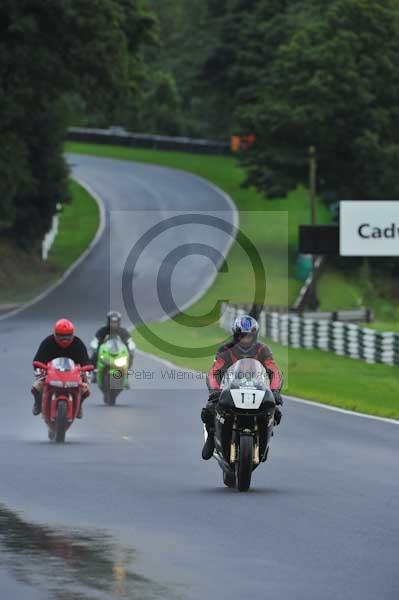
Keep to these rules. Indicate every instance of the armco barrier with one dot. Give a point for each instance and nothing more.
(119, 137)
(345, 339)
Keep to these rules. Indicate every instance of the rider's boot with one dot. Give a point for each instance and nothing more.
(277, 415)
(85, 395)
(37, 405)
(209, 446)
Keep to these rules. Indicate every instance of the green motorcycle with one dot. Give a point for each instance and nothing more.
(112, 368)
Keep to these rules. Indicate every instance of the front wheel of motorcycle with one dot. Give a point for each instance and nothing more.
(245, 462)
(61, 421)
(110, 397)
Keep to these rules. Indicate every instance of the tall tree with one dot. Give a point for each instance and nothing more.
(332, 82)
(48, 48)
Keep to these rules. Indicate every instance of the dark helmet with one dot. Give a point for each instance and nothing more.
(245, 327)
(114, 319)
(64, 332)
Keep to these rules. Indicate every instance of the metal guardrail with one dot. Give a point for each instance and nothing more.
(344, 339)
(121, 137)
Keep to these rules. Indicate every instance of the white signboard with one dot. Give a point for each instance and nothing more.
(369, 228)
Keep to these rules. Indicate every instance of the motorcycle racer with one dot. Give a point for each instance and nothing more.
(113, 327)
(244, 345)
(62, 343)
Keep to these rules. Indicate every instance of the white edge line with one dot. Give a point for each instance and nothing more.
(235, 226)
(78, 261)
(341, 410)
(312, 404)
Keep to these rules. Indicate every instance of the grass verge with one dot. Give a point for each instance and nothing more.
(78, 224)
(23, 275)
(361, 288)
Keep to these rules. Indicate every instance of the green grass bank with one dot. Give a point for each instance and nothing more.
(311, 374)
(23, 274)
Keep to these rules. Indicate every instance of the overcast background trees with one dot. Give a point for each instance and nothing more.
(49, 48)
(293, 72)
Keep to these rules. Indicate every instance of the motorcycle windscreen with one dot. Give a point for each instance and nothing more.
(63, 364)
(114, 345)
(247, 373)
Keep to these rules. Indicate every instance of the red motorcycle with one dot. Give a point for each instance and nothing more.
(62, 394)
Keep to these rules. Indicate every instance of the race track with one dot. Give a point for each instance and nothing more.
(127, 509)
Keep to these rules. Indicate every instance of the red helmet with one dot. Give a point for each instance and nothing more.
(63, 333)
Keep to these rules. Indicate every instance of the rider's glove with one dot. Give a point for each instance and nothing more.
(214, 396)
(38, 373)
(277, 397)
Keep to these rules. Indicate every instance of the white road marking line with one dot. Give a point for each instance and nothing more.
(313, 404)
(344, 411)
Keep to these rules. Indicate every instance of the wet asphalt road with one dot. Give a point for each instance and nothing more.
(126, 509)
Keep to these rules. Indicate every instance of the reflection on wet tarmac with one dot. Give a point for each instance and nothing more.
(69, 565)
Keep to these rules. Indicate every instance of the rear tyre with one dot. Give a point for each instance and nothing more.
(229, 480)
(245, 462)
(61, 422)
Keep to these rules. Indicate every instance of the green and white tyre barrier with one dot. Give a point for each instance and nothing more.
(344, 339)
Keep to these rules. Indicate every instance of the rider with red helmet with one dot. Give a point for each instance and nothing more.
(244, 345)
(62, 343)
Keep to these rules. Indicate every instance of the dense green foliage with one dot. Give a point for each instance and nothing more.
(296, 73)
(49, 48)
(333, 83)
(293, 72)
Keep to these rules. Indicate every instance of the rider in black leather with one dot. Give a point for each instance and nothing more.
(113, 327)
(244, 345)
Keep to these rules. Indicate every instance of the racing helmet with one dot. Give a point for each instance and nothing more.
(245, 330)
(114, 319)
(64, 332)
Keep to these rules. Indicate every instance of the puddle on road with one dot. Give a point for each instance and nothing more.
(72, 565)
